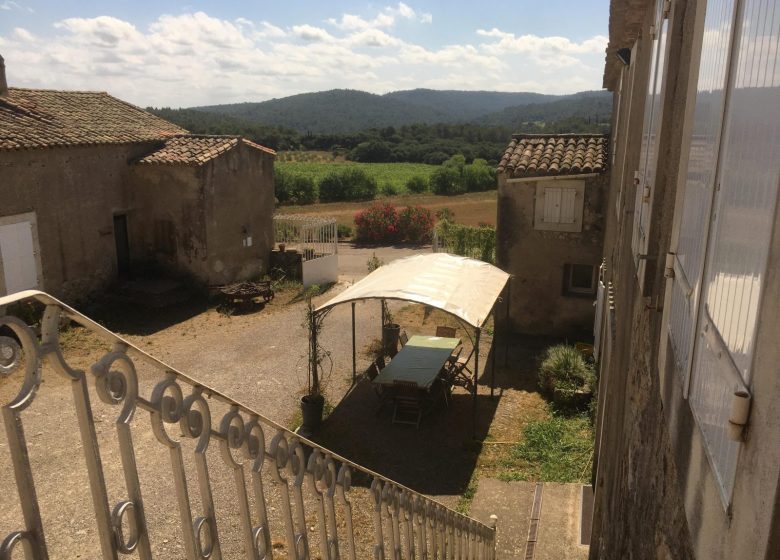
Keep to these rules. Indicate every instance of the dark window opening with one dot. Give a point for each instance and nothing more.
(579, 280)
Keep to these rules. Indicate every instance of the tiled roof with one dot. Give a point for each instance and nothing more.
(533, 155)
(192, 149)
(38, 118)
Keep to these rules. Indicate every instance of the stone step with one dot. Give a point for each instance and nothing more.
(535, 521)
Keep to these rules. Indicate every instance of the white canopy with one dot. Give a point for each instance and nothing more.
(466, 288)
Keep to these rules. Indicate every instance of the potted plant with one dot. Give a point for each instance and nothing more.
(390, 332)
(282, 247)
(313, 401)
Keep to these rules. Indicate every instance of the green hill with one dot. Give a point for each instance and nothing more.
(341, 111)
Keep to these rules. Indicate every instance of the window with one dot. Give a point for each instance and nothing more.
(579, 280)
(559, 205)
(724, 226)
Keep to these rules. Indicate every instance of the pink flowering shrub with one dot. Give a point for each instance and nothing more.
(381, 223)
(377, 224)
(416, 224)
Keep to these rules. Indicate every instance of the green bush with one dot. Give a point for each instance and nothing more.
(294, 189)
(467, 241)
(344, 231)
(388, 189)
(479, 176)
(350, 183)
(417, 184)
(447, 181)
(566, 375)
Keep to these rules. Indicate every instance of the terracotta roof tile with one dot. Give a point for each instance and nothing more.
(193, 149)
(532, 155)
(38, 118)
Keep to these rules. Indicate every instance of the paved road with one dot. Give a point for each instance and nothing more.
(353, 260)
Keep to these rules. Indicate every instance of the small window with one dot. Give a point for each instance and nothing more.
(579, 280)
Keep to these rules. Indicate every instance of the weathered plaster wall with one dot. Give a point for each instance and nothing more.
(168, 222)
(239, 195)
(536, 259)
(75, 192)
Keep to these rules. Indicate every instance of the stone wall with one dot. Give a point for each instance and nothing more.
(75, 192)
(239, 205)
(536, 259)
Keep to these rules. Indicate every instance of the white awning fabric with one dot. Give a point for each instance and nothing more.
(466, 288)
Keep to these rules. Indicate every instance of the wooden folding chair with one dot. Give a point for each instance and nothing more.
(407, 409)
(404, 338)
(448, 332)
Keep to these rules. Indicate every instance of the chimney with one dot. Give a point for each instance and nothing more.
(3, 82)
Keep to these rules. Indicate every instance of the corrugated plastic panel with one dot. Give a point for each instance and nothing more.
(700, 181)
(741, 234)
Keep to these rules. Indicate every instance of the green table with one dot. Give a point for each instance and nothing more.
(420, 360)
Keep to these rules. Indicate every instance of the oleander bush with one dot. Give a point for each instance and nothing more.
(383, 223)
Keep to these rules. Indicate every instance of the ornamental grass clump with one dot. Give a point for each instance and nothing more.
(566, 375)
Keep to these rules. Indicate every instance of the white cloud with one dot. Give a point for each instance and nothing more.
(196, 59)
(11, 5)
(311, 33)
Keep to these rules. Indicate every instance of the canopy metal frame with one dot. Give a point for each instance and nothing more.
(475, 340)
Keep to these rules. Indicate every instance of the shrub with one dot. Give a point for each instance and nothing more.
(566, 374)
(447, 181)
(388, 189)
(415, 224)
(417, 184)
(467, 241)
(479, 176)
(377, 224)
(445, 214)
(350, 183)
(344, 231)
(373, 151)
(294, 189)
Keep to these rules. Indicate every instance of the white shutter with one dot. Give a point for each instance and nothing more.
(568, 210)
(650, 141)
(552, 205)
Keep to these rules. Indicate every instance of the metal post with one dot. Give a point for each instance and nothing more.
(506, 318)
(493, 350)
(476, 376)
(354, 360)
(313, 350)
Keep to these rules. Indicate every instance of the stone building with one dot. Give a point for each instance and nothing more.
(93, 188)
(551, 199)
(687, 458)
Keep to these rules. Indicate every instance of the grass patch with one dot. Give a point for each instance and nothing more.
(464, 502)
(555, 449)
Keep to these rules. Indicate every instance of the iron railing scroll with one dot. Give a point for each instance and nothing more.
(239, 485)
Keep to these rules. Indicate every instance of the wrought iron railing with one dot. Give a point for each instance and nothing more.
(275, 495)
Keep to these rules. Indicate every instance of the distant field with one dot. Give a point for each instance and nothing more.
(396, 174)
(469, 209)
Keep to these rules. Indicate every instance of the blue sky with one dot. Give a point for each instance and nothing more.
(201, 52)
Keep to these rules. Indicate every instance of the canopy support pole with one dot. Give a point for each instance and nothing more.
(493, 351)
(474, 384)
(506, 319)
(354, 360)
(313, 379)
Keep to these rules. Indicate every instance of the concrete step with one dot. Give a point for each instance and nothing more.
(536, 521)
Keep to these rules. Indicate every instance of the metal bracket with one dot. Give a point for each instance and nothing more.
(669, 268)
